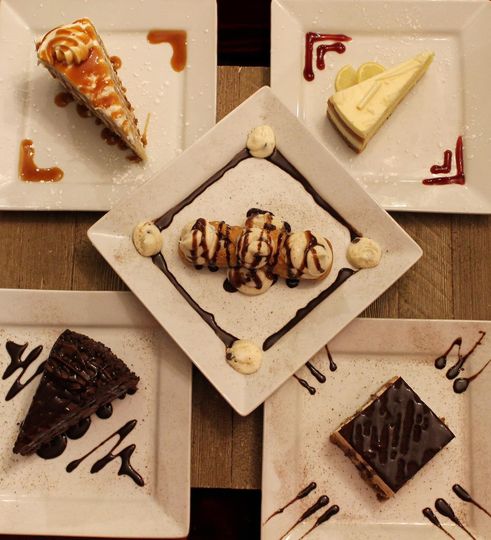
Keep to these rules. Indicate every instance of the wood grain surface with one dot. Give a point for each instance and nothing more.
(50, 250)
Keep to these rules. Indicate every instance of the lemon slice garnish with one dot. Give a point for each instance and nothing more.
(367, 70)
(345, 78)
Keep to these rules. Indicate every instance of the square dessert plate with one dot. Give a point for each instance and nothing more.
(38, 496)
(368, 353)
(194, 307)
(181, 104)
(451, 99)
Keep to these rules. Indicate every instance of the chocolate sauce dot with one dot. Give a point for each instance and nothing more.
(198, 266)
(287, 226)
(54, 448)
(213, 268)
(228, 286)
(79, 430)
(292, 282)
(460, 385)
(105, 411)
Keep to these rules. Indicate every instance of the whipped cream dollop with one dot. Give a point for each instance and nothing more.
(254, 248)
(198, 242)
(261, 141)
(69, 44)
(244, 356)
(250, 282)
(308, 255)
(364, 253)
(147, 239)
(265, 220)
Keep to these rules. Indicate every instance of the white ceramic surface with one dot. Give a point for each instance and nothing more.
(368, 353)
(450, 100)
(252, 183)
(181, 104)
(39, 497)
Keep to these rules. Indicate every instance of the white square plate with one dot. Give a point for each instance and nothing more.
(40, 497)
(252, 183)
(368, 353)
(181, 104)
(451, 99)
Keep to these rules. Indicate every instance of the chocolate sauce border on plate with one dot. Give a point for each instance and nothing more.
(277, 158)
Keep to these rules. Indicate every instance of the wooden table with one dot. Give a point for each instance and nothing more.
(50, 250)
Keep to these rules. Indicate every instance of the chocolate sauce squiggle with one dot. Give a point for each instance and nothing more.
(461, 384)
(311, 390)
(342, 276)
(430, 515)
(457, 367)
(16, 352)
(446, 510)
(441, 361)
(300, 495)
(332, 364)
(327, 515)
(321, 502)
(316, 373)
(465, 496)
(125, 455)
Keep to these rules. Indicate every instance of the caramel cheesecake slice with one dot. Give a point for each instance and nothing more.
(392, 437)
(359, 111)
(75, 55)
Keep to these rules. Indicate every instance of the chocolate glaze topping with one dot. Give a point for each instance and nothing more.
(397, 434)
(429, 514)
(446, 510)
(125, 455)
(465, 496)
(79, 430)
(15, 351)
(300, 495)
(280, 161)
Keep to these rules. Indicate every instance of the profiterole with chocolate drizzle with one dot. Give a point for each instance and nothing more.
(257, 253)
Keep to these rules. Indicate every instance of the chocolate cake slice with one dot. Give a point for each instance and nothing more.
(80, 376)
(392, 437)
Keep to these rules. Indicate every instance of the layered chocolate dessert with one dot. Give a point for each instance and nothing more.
(392, 437)
(80, 376)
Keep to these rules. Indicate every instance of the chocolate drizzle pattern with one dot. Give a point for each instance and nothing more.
(465, 496)
(430, 515)
(316, 373)
(311, 390)
(125, 455)
(300, 495)
(16, 351)
(326, 516)
(332, 365)
(446, 510)
(397, 434)
(280, 161)
(322, 501)
(461, 384)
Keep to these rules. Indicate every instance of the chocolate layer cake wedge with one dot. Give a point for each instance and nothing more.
(392, 437)
(75, 55)
(80, 376)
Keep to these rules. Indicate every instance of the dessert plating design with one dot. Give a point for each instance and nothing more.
(446, 167)
(321, 378)
(311, 38)
(16, 352)
(446, 510)
(177, 40)
(29, 171)
(300, 495)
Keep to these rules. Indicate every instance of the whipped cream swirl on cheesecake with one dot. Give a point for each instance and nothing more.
(308, 255)
(69, 44)
(199, 242)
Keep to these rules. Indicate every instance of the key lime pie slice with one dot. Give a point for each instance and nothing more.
(359, 111)
(75, 55)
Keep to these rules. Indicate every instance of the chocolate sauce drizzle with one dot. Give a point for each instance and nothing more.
(441, 361)
(327, 515)
(54, 448)
(316, 373)
(306, 385)
(429, 514)
(280, 161)
(332, 364)
(125, 455)
(458, 366)
(105, 411)
(465, 496)
(342, 276)
(321, 502)
(446, 510)
(300, 495)
(16, 351)
(461, 384)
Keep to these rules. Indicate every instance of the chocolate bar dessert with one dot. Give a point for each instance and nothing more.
(75, 55)
(80, 376)
(392, 437)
